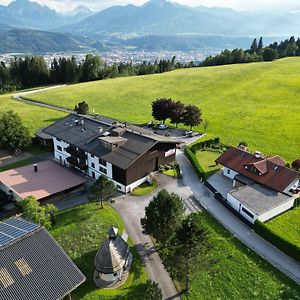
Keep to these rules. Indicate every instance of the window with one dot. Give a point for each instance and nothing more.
(93, 175)
(247, 212)
(103, 170)
(93, 165)
(102, 162)
(59, 148)
(228, 171)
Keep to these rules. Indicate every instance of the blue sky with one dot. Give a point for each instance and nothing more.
(236, 4)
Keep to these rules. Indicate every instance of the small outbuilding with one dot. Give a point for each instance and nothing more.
(113, 261)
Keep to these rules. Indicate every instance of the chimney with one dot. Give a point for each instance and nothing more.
(100, 131)
(82, 121)
(35, 167)
(257, 154)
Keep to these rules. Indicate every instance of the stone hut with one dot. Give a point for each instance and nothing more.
(112, 261)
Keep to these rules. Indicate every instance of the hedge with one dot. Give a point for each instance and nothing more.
(287, 247)
(194, 161)
(204, 144)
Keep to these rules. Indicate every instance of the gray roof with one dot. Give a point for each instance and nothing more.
(135, 140)
(258, 198)
(35, 267)
(112, 255)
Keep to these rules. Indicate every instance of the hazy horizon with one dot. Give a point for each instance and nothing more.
(68, 5)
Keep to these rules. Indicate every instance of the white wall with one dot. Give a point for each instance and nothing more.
(109, 170)
(237, 205)
(61, 155)
(229, 173)
(135, 184)
(295, 183)
(277, 210)
(233, 202)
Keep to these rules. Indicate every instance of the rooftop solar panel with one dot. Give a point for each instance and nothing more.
(13, 229)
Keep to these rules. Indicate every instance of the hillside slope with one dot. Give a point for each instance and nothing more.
(258, 103)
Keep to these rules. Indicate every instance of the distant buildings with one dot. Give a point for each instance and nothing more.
(263, 187)
(32, 264)
(124, 153)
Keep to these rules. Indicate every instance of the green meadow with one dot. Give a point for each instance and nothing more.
(33, 117)
(258, 103)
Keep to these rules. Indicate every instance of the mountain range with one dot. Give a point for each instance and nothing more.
(155, 26)
(27, 14)
(161, 17)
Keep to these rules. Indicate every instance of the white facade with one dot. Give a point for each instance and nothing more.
(95, 169)
(229, 173)
(277, 210)
(293, 184)
(241, 209)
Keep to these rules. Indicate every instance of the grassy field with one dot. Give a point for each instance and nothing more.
(287, 226)
(237, 273)
(258, 103)
(207, 160)
(145, 188)
(80, 231)
(33, 117)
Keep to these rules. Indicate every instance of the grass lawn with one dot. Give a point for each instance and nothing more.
(33, 117)
(207, 160)
(19, 164)
(80, 231)
(175, 172)
(258, 103)
(145, 188)
(287, 226)
(237, 273)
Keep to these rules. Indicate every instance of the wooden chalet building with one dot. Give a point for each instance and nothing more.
(124, 153)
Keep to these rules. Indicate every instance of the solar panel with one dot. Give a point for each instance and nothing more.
(13, 229)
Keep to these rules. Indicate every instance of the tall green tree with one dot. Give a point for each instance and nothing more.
(161, 109)
(253, 48)
(260, 45)
(269, 54)
(177, 112)
(90, 67)
(163, 215)
(192, 116)
(34, 212)
(191, 245)
(81, 108)
(13, 134)
(151, 291)
(104, 189)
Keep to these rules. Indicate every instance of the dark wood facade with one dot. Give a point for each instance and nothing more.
(147, 163)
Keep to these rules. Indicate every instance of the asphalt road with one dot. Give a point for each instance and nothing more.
(277, 258)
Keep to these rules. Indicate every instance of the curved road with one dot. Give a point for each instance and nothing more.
(277, 258)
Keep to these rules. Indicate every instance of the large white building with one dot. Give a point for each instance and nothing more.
(124, 153)
(262, 187)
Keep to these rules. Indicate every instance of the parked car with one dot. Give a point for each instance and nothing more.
(150, 124)
(162, 126)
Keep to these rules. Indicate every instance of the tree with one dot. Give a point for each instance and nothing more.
(253, 48)
(104, 189)
(81, 108)
(291, 49)
(296, 164)
(269, 54)
(151, 291)
(161, 109)
(176, 112)
(163, 215)
(192, 116)
(260, 45)
(13, 135)
(190, 242)
(90, 68)
(33, 212)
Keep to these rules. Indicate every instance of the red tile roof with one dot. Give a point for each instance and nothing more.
(270, 172)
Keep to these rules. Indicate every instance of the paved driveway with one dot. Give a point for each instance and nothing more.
(266, 250)
(132, 209)
(221, 183)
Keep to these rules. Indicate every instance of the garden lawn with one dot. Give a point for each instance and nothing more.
(145, 188)
(80, 231)
(287, 226)
(33, 117)
(207, 160)
(237, 273)
(258, 103)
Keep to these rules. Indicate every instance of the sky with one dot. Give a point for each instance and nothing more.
(65, 5)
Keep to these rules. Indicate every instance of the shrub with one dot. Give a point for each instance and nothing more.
(194, 161)
(289, 248)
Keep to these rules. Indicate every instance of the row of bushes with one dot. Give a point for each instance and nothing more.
(289, 248)
(212, 143)
(194, 161)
